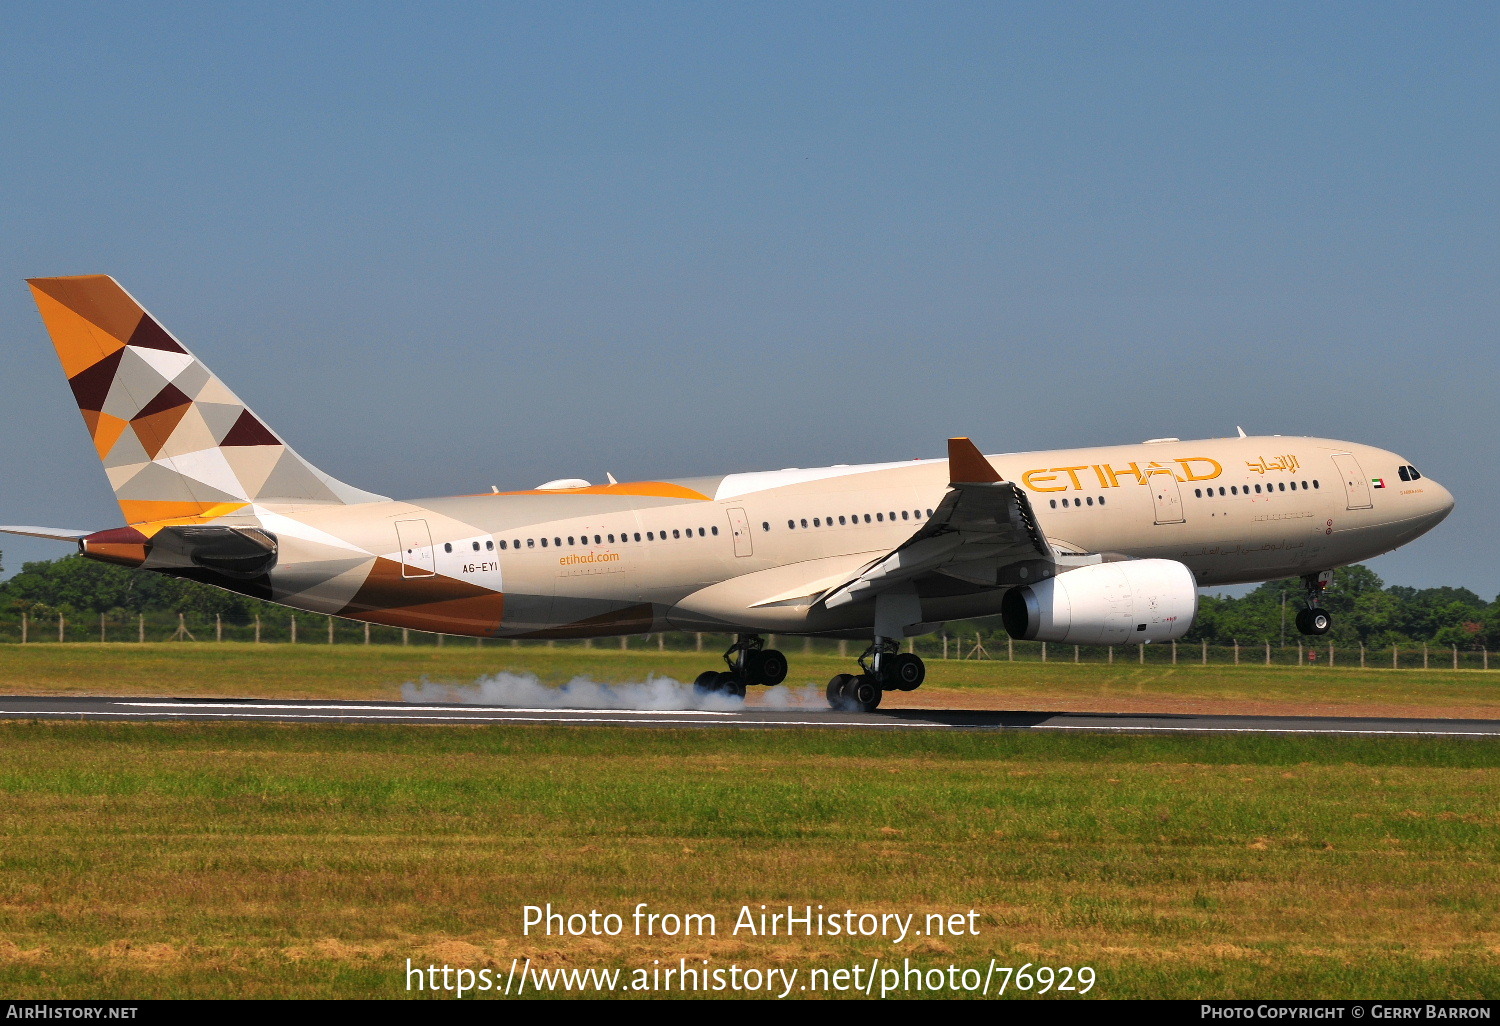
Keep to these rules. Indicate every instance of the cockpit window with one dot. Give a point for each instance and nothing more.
(1414, 475)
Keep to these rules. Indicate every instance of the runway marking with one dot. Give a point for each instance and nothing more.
(1274, 730)
(480, 719)
(414, 707)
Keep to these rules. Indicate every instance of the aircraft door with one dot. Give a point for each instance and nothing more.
(739, 526)
(417, 558)
(1356, 485)
(1166, 497)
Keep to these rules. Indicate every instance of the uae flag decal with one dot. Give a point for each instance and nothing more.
(1378, 482)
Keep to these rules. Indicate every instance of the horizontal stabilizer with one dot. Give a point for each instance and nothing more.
(53, 533)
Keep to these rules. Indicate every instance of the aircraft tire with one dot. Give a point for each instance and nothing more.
(731, 685)
(1314, 621)
(707, 682)
(864, 694)
(768, 667)
(905, 672)
(838, 691)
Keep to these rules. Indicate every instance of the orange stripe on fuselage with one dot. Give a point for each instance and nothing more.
(655, 489)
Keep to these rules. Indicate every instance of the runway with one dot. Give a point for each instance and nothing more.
(287, 711)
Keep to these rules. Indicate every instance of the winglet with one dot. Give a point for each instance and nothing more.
(967, 465)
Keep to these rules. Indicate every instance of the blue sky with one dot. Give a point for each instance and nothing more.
(444, 246)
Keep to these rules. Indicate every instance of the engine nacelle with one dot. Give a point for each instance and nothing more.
(1126, 603)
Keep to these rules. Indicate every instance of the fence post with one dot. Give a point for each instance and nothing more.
(1300, 653)
(294, 630)
(25, 627)
(945, 645)
(257, 628)
(698, 642)
(588, 642)
(218, 626)
(1236, 651)
(1142, 650)
(330, 630)
(1455, 657)
(1044, 651)
(1395, 659)
(1361, 655)
(661, 642)
(1110, 658)
(807, 644)
(440, 641)
(624, 642)
(367, 632)
(1486, 652)
(1205, 651)
(843, 646)
(1174, 653)
(140, 628)
(406, 635)
(1424, 655)
(1010, 648)
(101, 628)
(1268, 652)
(1330, 653)
(61, 627)
(1075, 654)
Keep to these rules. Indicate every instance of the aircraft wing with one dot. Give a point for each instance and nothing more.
(982, 533)
(50, 533)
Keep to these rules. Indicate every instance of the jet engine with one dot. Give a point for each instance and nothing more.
(1125, 603)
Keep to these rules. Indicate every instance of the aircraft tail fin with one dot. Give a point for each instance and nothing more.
(175, 441)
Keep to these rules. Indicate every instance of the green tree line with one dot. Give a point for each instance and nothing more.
(1365, 610)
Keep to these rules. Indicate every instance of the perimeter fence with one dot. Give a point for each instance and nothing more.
(314, 629)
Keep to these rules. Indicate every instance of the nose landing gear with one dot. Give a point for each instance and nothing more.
(1315, 620)
(749, 662)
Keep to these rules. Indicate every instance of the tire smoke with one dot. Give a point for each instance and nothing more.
(654, 694)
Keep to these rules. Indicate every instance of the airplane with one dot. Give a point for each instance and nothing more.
(1096, 546)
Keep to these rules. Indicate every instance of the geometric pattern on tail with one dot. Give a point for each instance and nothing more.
(175, 441)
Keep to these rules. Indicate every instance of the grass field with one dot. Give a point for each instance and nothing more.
(161, 860)
(378, 672)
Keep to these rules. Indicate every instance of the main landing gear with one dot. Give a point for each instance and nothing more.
(1315, 619)
(886, 668)
(750, 662)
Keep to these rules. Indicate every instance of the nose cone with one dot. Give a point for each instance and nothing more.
(1439, 502)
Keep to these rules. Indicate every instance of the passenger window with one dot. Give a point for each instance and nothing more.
(544, 543)
(650, 536)
(1234, 490)
(1315, 482)
(701, 532)
(791, 525)
(929, 512)
(804, 521)
(903, 515)
(1257, 489)
(765, 525)
(1198, 493)
(502, 543)
(447, 547)
(1101, 500)
(1281, 486)
(893, 514)
(676, 534)
(531, 543)
(1221, 490)
(817, 522)
(880, 517)
(489, 546)
(715, 531)
(841, 522)
(1091, 500)
(1054, 503)
(611, 539)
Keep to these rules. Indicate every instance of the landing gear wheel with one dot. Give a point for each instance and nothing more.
(719, 682)
(1314, 621)
(838, 691)
(864, 694)
(905, 672)
(767, 667)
